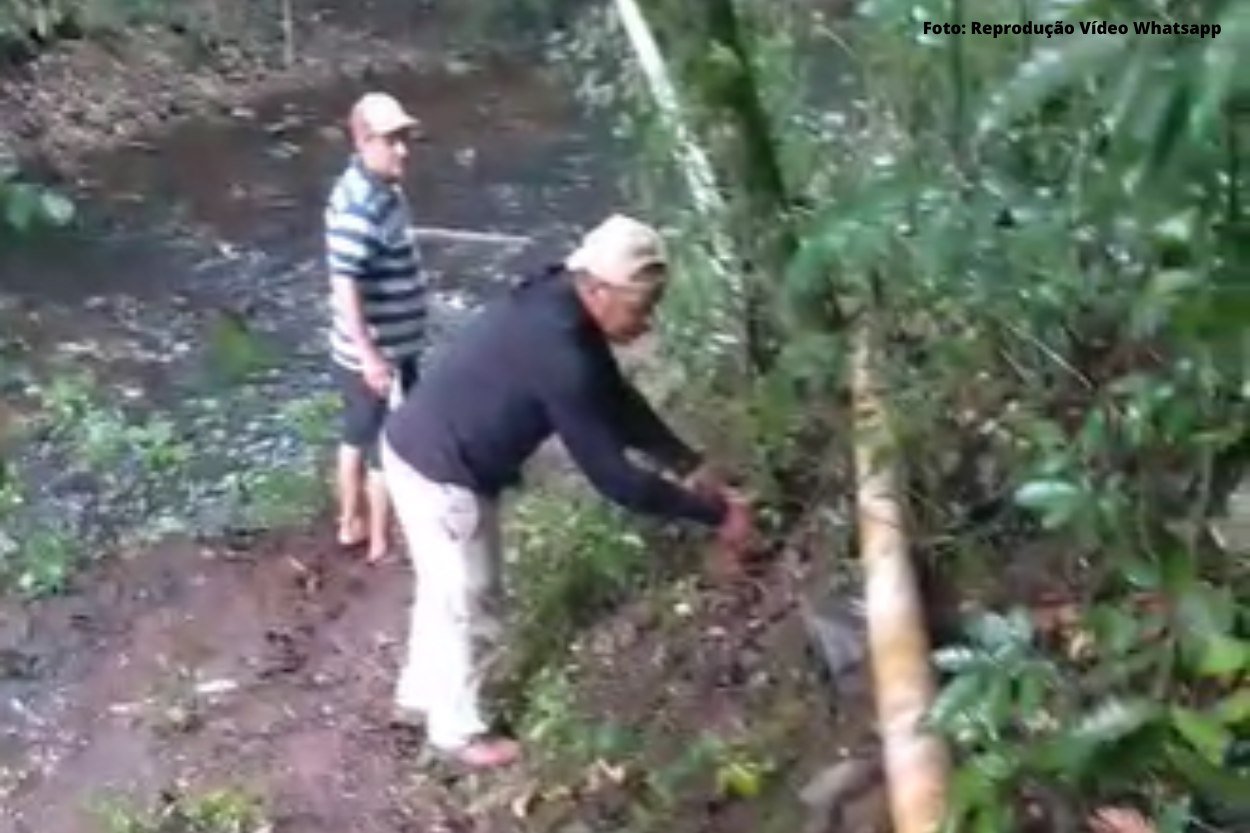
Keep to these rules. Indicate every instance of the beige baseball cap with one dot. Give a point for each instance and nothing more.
(381, 114)
(618, 250)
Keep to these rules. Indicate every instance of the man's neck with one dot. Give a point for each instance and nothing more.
(371, 172)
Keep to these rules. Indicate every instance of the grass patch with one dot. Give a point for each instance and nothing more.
(227, 810)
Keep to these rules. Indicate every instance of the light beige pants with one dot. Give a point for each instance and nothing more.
(454, 548)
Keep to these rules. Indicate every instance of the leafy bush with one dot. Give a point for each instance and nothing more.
(1051, 232)
(575, 556)
(1143, 702)
(28, 23)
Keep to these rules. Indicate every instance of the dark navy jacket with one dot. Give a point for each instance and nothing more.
(532, 363)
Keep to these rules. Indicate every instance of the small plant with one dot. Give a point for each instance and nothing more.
(23, 205)
(66, 399)
(43, 561)
(269, 498)
(215, 811)
(236, 352)
(575, 557)
(313, 418)
(552, 722)
(1029, 724)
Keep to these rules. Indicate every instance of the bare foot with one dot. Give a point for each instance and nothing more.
(1120, 820)
(488, 753)
(351, 532)
(377, 553)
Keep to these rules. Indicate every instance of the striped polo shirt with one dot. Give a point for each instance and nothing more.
(369, 238)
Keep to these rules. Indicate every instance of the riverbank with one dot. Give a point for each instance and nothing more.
(102, 91)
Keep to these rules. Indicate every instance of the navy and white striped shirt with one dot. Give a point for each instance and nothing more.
(370, 239)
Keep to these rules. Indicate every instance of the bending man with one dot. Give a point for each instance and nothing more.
(536, 361)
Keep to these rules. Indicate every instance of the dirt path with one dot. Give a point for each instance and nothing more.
(267, 669)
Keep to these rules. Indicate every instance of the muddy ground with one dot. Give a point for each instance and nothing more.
(267, 667)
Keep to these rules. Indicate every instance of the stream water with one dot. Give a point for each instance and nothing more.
(213, 226)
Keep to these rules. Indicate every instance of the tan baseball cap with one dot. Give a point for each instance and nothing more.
(618, 250)
(381, 114)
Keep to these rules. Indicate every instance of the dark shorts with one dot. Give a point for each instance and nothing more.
(364, 411)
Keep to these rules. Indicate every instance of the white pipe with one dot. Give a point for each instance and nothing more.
(469, 236)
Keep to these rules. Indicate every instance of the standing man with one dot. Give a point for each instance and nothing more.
(378, 302)
(535, 362)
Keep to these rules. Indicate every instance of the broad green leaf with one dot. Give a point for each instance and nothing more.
(997, 765)
(1213, 781)
(959, 658)
(1000, 632)
(1175, 817)
(1224, 656)
(1118, 630)
(1057, 501)
(1234, 710)
(970, 791)
(21, 205)
(1172, 123)
(1141, 574)
(742, 780)
(1114, 720)
(1206, 610)
(57, 208)
(1204, 732)
(1178, 571)
(955, 701)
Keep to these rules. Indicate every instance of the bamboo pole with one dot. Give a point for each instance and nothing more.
(696, 166)
(915, 762)
(455, 235)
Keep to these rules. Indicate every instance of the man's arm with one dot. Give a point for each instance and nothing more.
(639, 425)
(349, 245)
(582, 416)
(346, 292)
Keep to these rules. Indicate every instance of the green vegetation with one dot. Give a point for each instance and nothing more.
(27, 25)
(215, 811)
(159, 479)
(575, 559)
(1051, 234)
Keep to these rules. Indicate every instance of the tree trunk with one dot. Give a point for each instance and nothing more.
(714, 62)
(916, 763)
(765, 218)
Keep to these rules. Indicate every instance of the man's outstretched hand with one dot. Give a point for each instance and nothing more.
(707, 480)
(735, 535)
(1120, 820)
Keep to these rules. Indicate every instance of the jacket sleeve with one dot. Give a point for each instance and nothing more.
(580, 407)
(644, 430)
